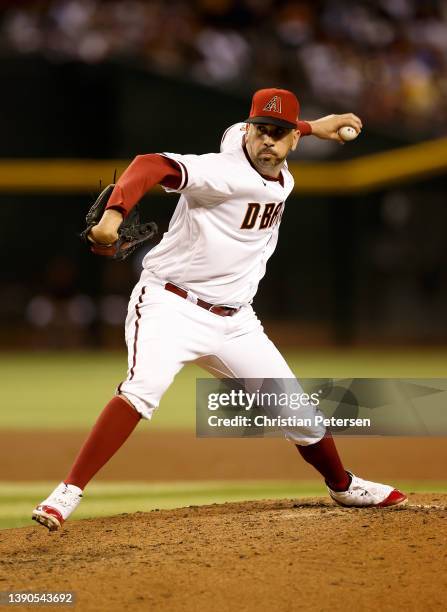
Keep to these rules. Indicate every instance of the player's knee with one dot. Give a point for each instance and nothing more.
(143, 401)
(305, 436)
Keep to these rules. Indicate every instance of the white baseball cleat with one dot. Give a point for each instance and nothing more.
(58, 506)
(363, 493)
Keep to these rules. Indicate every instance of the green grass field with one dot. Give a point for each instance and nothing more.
(67, 390)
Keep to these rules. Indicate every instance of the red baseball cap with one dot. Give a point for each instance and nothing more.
(275, 107)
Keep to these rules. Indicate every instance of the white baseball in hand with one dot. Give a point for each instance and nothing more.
(347, 133)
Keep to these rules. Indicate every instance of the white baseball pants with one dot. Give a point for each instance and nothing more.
(165, 331)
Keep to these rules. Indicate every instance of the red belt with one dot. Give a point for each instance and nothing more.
(222, 311)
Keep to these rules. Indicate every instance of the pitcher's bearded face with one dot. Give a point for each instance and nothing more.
(268, 146)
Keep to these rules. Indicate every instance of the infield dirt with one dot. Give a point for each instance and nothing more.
(178, 455)
(269, 555)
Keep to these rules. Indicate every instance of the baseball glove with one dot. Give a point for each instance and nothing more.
(131, 233)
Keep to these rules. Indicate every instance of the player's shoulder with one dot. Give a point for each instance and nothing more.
(203, 159)
(206, 164)
(232, 138)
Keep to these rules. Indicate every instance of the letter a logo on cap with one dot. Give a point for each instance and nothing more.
(273, 105)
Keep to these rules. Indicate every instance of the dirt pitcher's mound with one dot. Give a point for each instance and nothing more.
(267, 555)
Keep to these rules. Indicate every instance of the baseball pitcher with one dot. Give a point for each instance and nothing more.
(193, 302)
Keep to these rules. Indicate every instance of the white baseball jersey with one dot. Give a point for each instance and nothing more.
(225, 225)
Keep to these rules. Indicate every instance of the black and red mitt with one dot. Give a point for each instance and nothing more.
(131, 233)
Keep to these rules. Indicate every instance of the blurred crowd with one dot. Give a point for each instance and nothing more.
(385, 59)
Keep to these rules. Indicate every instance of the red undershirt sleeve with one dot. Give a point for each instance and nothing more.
(144, 172)
(305, 128)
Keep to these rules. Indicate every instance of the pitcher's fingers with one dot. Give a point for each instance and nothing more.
(353, 121)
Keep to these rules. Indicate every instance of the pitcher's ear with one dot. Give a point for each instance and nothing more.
(296, 137)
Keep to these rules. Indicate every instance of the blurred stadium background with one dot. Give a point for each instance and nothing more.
(359, 261)
(362, 260)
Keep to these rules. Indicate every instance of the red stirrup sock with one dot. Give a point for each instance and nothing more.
(323, 456)
(114, 425)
